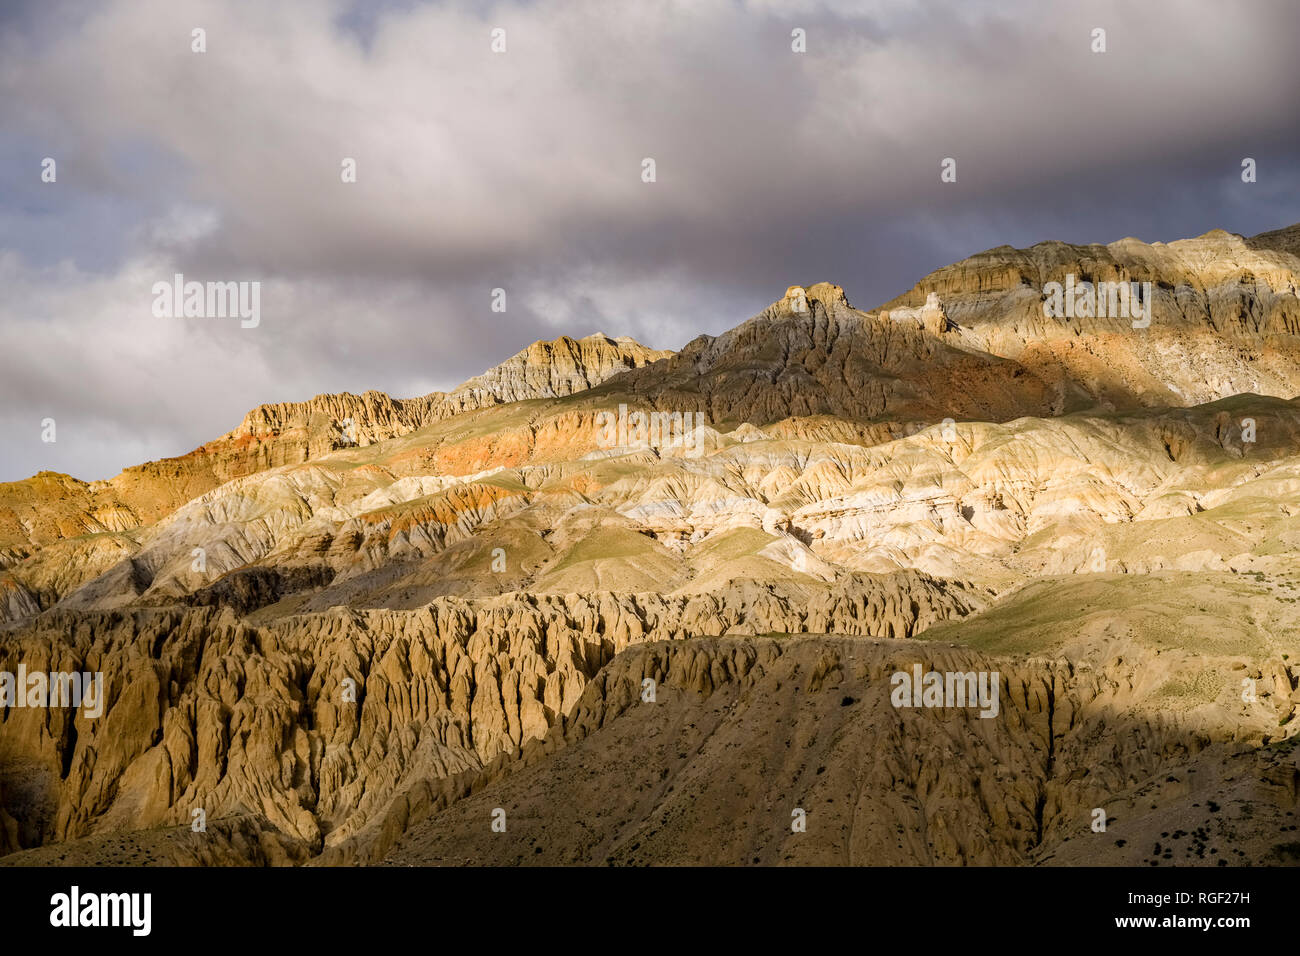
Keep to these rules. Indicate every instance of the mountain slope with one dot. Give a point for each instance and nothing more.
(105, 515)
(744, 733)
(971, 340)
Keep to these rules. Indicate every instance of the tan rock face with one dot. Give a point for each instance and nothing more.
(206, 711)
(1224, 320)
(743, 733)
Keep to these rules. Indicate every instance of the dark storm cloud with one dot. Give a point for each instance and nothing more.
(522, 171)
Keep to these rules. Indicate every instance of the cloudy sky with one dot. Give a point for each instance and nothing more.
(522, 170)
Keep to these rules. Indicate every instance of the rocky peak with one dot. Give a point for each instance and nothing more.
(797, 298)
(545, 369)
(552, 370)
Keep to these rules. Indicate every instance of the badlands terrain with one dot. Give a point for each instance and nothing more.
(380, 631)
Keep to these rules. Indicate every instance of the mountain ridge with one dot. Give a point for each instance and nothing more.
(313, 427)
